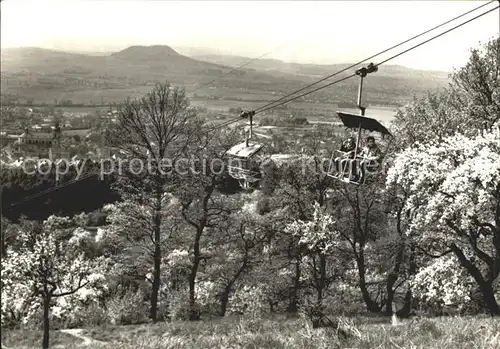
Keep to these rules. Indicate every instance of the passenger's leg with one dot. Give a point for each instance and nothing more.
(349, 168)
(337, 164)
(346, 167)
(362, 167)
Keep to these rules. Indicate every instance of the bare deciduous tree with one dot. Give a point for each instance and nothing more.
(154, 131)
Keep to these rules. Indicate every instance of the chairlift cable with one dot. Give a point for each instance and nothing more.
(262, 109)
(437, 36)
(49, 190)
(307, 93)
(373, 56)
(270, 106)
(241, 66)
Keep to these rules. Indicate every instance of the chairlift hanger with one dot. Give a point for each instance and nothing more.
(359, 122)
(241, 165)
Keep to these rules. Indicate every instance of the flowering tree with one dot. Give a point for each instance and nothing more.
(454, 201)
(275, 257)
(471, 102)
(319, 237)
(441, 284)
(303, 182)
(202, 213)
(47, 264)
(476, 86)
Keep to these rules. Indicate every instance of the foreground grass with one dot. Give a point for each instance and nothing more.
(281, 333)
(33, 339)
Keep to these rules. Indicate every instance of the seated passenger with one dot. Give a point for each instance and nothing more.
(348, 147)
(253, 167)
(371, 157)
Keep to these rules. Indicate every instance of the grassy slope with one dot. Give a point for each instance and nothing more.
(33, 339)
(442, 333)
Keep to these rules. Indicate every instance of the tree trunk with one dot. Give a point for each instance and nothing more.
(271, 306)
(489, 298)
(294, 292)
(322, 279)
(46, 323)
(193, 313)
(391, 281)
(371, 306)
(227, 290)
(3, 248)
(390, 299)
(485, 286)
(156, 282)
(404, 312)
(156, 260)
(224, 299)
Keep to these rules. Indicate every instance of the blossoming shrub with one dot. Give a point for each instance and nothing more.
(443, 283)
(178, 305)
(206, 292)
(49, 262)
(248, 300)
(177, 301)
(80, 309)
(91, 315)
(127, 309)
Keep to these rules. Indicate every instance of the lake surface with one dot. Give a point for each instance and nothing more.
(384, 115)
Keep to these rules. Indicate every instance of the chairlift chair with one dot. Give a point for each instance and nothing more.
(241, 162)
(350, 171)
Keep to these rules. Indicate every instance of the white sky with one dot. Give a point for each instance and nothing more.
(311, 31)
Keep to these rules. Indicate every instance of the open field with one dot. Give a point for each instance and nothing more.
(313, 111)
(277, 333)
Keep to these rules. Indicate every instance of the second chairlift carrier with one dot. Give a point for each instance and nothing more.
(243, 166)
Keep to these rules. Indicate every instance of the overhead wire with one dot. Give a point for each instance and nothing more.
(265, 107)
(271, 106)
(49, 190)
(230, 121)
(240, 66)
(437, 36)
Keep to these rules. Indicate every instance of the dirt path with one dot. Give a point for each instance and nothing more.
(77, 333)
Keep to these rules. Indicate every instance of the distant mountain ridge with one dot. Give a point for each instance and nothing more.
(270, 64)
(45, 75)
(32, 57)
(154, 52)
(141, 53)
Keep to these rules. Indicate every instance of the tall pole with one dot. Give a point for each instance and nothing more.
(362, 72)
(360, 92)
(251, 125)
(362, 113)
